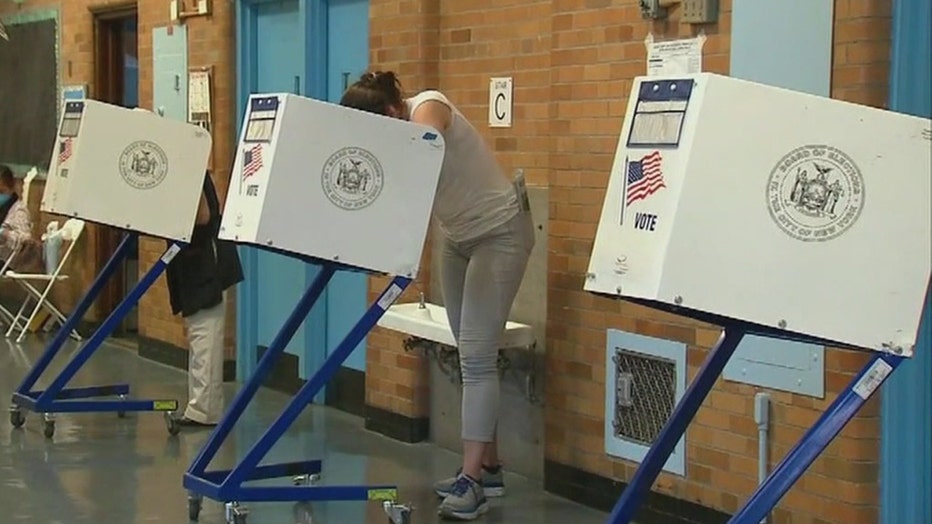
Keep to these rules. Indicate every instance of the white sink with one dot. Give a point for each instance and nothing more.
(430, 323)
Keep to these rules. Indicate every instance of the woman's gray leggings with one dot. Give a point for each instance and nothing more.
(480, 279)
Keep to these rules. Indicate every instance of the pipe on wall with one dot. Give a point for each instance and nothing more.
(762, 418)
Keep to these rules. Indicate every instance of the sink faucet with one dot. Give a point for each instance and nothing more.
(423, 304)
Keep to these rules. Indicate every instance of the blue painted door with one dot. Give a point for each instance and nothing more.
(300, 47)
(279, 68)
(347, 58)
(275, 62)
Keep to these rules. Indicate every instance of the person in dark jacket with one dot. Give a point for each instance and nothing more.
(198, 278)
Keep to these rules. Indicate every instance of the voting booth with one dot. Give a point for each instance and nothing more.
(362, 184)
(134, 171)
(767, 211)
(342, 189)
(128, 169)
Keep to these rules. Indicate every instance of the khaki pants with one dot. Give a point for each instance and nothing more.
(206, 330)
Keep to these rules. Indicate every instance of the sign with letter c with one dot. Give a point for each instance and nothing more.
(500, 102)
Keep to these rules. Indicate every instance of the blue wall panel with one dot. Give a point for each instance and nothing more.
(170, 72)
(906, 410)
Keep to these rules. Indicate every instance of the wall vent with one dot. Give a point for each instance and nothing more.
(645, 378)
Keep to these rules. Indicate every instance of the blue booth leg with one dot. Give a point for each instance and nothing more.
(227, 486)
(106, 329)
(29, 381)
(56, 398)
(248, 391)
(632, 498)
(798, 460)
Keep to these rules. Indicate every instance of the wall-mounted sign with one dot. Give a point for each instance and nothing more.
(500, 102)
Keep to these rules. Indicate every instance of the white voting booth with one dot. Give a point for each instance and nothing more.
(770, 206)
(134, 171)
(773, 212)
(343, 189)
(333, 183)
(129, 169)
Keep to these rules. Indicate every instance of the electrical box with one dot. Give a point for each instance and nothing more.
(333, 183)
(699, 11)
(128, 169)
(770, 206)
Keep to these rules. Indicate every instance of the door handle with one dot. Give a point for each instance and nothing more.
(297, 84)
(346, 75)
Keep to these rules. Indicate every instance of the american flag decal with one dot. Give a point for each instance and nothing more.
(64, 150)
(252, 161)
(644, 177)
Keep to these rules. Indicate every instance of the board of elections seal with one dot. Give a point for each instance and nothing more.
(815, 193)
(143, 164)
(352, 178)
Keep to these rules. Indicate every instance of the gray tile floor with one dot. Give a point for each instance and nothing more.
(101, 469)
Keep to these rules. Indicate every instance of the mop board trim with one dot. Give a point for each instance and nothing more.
(57, 398)
(226, 486)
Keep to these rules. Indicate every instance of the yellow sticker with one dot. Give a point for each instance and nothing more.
(383, 494)
(164, 405)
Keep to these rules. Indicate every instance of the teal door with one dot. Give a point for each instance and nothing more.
(286, 46)
(347, 58)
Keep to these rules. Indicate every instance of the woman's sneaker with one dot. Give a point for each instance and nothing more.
(493, 482)
(466, 501)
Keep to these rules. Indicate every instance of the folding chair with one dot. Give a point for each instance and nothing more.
(27, 182)
(7, 315)
(71, 233)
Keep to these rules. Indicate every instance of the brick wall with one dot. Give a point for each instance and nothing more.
(573, 62)
(210, 43)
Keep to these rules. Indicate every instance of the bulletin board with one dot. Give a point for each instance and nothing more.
(29, 91)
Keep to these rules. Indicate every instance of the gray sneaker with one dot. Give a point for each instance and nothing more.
(493, 483)
(466, 501)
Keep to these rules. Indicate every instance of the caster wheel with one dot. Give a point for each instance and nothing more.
(397, 513)
(236, 514)
(194, 507)
(17, 419)
(174, 427)
(122, 414)
(49, 429)
(306, 480)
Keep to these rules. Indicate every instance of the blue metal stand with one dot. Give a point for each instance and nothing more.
(632, 498)
(227, 485)
(798, 460)
(56, 398)
(793, 466)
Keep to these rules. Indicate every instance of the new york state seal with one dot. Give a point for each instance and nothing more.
(815, 193)
(143, 164)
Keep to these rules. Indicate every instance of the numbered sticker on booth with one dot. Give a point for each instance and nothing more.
(389, 494)
(390, 296)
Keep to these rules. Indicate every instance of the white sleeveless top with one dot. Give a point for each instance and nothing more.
(473, 195)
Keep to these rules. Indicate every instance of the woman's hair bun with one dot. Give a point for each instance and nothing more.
(384, 81)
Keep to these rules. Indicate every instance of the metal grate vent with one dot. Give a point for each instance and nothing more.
(645, 394)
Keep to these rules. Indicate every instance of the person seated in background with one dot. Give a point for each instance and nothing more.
(15, 222)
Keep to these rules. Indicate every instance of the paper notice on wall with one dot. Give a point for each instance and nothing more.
(198, 95)
(674, 57)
